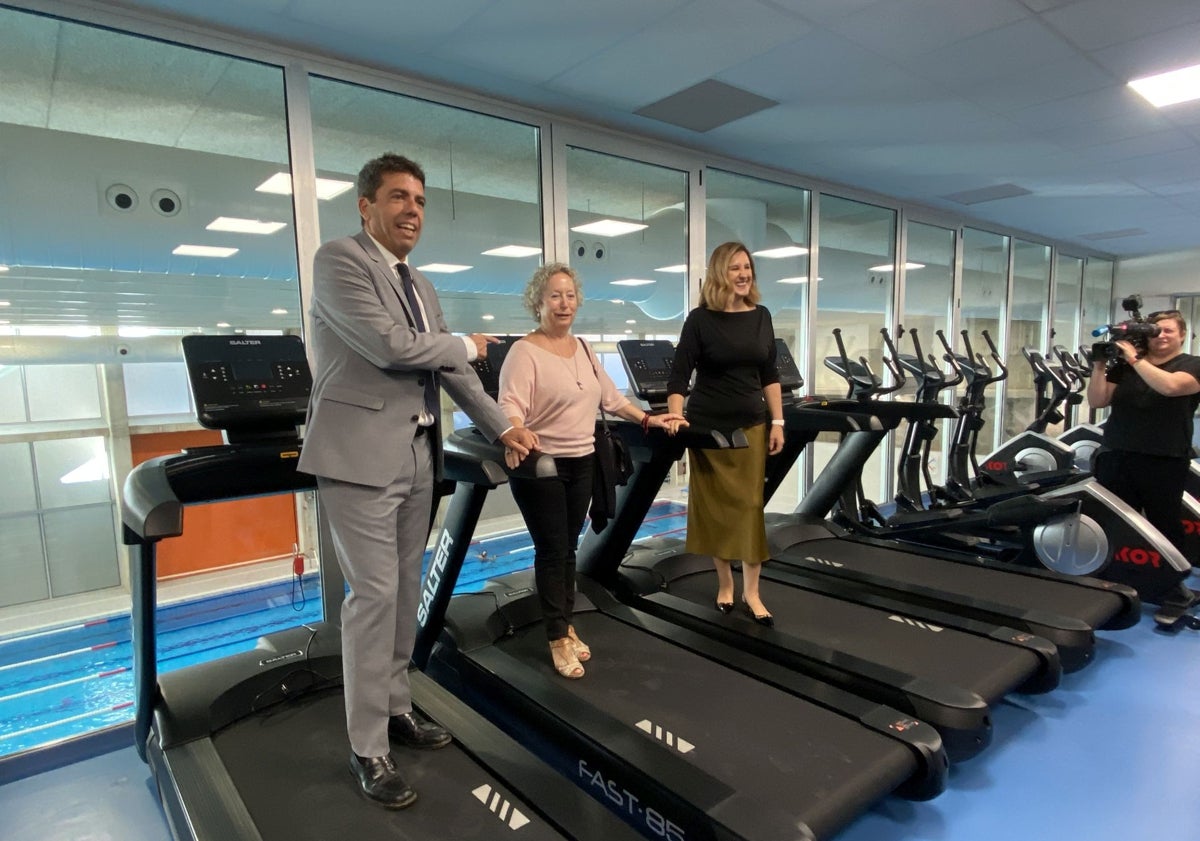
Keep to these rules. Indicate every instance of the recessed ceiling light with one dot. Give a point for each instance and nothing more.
(443, 268)
(677, 269)
(1163, 89)
(888, 267)
(281, 184)
(244, 226)
(628, 331)
(204, 251)
(4, 321)
(513, 251)
(631, 321)
(488, 317)
(802, 279)
(609, 228)
(3, 268)
(5, 303)
(279, 311)
(783, 251)
(222, 324)
(631, 281)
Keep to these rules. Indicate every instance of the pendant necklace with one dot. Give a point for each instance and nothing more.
(574, 367)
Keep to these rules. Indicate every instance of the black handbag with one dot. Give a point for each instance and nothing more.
(612, 466)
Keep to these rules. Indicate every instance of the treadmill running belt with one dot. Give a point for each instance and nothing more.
(291, 767)
(963, 579)
(789, 755)
(977, 664)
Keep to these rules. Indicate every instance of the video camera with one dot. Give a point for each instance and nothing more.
(1136, 330)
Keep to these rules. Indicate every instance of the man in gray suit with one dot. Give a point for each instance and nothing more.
(381, 349)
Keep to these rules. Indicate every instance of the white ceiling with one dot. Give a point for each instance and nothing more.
(916, 99)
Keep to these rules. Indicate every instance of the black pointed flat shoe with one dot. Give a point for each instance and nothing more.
(725, 607)
(764, 619)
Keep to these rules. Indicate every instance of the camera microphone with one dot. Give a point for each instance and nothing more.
(1100, 331)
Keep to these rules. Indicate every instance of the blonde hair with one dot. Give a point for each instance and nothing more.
(717, 290)
(535, 290)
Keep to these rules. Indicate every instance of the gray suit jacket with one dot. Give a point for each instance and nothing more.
(370, 366)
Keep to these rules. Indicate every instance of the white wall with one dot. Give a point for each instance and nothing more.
(1160, 276)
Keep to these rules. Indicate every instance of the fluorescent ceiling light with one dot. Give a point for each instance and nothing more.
(676, 269)
(279, 311)
(802, 279)
(3, 268)
(281, 184)
(1169, 88)
(5, 321)
(244, 226)
(204, 251)
(222, 323)
(487, 316)
(5, 303)
(609, 228)
(888, 267)
(443, 268)
(631, 281)
(513, 251)
(784, 251)
(631, 321)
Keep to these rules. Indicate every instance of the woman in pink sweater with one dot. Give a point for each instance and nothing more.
(552, 383)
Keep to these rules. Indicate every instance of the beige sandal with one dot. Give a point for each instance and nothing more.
(582, 652)
(562, 652)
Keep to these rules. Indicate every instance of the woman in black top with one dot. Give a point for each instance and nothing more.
(729, 342)
(1147, 446)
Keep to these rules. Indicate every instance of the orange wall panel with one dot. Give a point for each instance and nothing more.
(219, 534)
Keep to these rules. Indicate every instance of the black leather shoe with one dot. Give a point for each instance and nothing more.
(414, 731)
(725, 607)
(380, 781)
(764, 619)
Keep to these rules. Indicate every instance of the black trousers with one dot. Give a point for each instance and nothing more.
(1152, 485)
(554, 510)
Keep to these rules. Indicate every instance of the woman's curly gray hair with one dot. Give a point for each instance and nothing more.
(535, 290)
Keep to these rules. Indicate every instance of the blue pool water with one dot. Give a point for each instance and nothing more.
(65, 681)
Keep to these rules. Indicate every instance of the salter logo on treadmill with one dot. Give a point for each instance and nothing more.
(433, 578)
(681, 745)
(925, 626)
(499, 806)
(237, 342)
(811, 559)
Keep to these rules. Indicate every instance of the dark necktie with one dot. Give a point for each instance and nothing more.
(410, 294)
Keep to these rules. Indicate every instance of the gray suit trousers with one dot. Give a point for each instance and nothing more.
(379, 535)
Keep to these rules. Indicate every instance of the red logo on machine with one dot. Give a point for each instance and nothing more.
(1138, 557)
(996, 465)
(1191, 526)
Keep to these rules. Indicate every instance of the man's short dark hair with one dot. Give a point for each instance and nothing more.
(371, 175)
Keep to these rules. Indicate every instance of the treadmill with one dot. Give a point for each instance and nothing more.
(252, 747)
(944, 669)
(658, 730)
(1065, 610)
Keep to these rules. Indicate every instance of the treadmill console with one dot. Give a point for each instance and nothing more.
(248, 383)
(648, 364)
(488, 367)
(790, 379)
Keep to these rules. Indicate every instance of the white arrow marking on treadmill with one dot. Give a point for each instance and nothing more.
(916, 624)
(682, 745)
(500, 807)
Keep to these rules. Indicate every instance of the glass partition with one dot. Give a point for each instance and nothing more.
(1097, 311)
(928, 306)
(1028, 314)
(983, 300)
(857, 265)
(629, 242)
(773, 221)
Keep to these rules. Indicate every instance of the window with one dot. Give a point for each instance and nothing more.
(984, 293)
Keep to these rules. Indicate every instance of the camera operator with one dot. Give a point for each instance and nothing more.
(1147, 442)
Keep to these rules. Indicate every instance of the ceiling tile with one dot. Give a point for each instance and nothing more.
(1093, 24)
(1007, 49)
(908, 28)
(1040, 84)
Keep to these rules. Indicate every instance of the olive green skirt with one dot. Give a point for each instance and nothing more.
(725, 501)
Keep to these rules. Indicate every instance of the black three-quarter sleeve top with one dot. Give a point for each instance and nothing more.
(733, 355)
